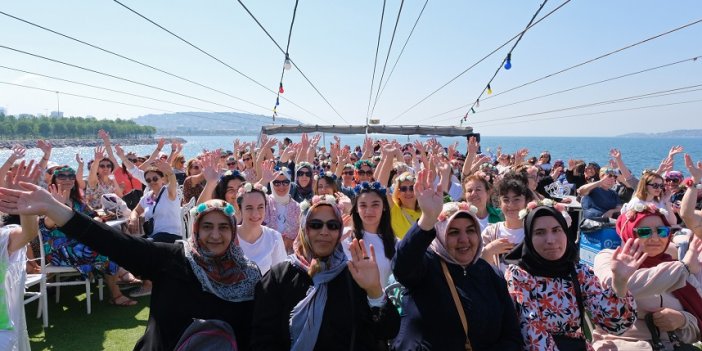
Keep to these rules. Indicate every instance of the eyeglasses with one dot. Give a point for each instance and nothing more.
(304, 174)
(281, 182)
(672, 180)
(152, 180)
(317, 224)
(349, 173)
(646, 232)
(363, 173)
(406, 188)
(656, 185)
(247, 159)
(61, 176)
(105, 165)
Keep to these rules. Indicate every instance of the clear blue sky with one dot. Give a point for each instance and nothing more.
(334, 43)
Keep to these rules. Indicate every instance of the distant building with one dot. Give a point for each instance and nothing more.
(56, 114)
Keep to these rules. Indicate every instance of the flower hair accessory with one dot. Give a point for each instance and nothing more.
(643, 208)
(318, 199)
(545, 202)
(451, 208)
(230, 174)
(228, 209)
(360, 163)
(303, 165)
(248, 187)
(370, 186)
(64, 169)
(325, 174)
(406, 178)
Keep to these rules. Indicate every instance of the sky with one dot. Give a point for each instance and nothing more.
(334, 45)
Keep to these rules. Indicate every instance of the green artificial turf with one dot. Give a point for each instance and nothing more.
(108, 327)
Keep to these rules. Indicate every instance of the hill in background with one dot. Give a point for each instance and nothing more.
(207, 123)
(681, 133)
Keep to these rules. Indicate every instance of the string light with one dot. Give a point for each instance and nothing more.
(489, 90)
(508, 61)
(280, 89)
(288, 65)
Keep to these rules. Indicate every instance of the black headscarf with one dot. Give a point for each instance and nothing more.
(524, 255)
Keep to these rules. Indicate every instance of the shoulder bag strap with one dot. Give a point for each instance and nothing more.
(457, 302)
(578, 297)
(156, 203)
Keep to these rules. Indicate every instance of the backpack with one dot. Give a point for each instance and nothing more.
(210, 334)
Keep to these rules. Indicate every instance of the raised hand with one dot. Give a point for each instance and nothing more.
(161, 143)
(430, 198)
(45, 146)
(695, 170)
(59, 193)
(344, 202)
(28, 174)
(209, 168)
(32, 200)
(79, 160)
(364, 268)
(102, 134)
(99, 153)
(676, 149)
(624, 262)
(164, 167)
(267, 172)
(691, 258)
(119, 150)
(473, 146)
(18, 152)
(615, 154)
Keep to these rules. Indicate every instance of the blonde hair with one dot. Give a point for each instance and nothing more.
(642, 188)
(404, 177)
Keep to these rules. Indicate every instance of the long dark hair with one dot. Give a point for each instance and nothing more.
(221, 189)
(384, 227)
(76, 194)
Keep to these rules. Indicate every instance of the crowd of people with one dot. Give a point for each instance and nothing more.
(381, 246)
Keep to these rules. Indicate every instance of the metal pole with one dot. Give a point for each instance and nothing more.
(58, 105)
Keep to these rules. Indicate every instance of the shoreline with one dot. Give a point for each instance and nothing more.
(59, 143)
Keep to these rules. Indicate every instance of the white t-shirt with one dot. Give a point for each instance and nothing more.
(16, 338)
(384, 263)
(498, 230)
(167, 219)
(484, 222)
(266, 251)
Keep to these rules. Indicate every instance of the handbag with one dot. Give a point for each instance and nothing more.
(657, 344)
(132, 198)
(566, 343)
(149, 224)
(459, 306)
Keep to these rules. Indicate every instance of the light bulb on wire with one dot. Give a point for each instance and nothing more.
(287, 65)
(508, 61)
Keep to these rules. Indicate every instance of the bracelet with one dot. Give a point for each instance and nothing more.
(377, 302)
(687, 268)
(689, 182)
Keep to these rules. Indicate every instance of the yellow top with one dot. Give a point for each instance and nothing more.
(402, 219)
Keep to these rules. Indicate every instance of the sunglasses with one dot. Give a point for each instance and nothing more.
(194, 167)
(317, 224)
(406, 188)
(105, 165)
(326, 167)
(656, 185)
(247, 159)
(281, 182)
(66, 176)
(348, 173)
(304, 174)
(610, 175)
(363, 173)
(132, 160)
(231, 163)
(671, 180)
(646, 232)
(152, 180)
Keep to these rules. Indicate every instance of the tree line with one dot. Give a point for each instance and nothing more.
(28, 126)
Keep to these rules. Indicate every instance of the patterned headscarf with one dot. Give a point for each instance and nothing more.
(230, 276)
(449, 212)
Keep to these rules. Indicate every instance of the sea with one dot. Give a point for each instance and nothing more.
(638, 153)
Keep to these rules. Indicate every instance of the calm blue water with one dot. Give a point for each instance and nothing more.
(638, 153)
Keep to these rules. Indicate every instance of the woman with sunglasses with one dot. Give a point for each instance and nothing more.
(64, 251)
(282, 212)
(364, 171)
(195, 181)
(554, 293)
(205, 277)
(345, 182)
(598, 198)
(667, 294)
(178, 165)
(100, 179)
(303, 188)
(651, 190)
(261, 244)
(317, 299)
(249, 171)
(404, 210)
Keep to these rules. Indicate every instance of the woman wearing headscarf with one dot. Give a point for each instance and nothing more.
(206, 277)
(302, 189)
(282, 212)
(317, 300)
(553, 291)
(666, 292)
(454, 299)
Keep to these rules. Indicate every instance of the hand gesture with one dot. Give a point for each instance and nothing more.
(267, 172)
(418, 145)
(695, 171)
(556, 172)
(473, 146)
(691, 258)
(31, 200)
(452, 150)
(668, 320)
(304, 141)
(497, 247)
(430, 199)
(161, 143)
(45, 146)
(615, 154)
(675, 150)
(164, 167)
(625, 261)
(28, 174)
(364, 268)
(665, 166)
(264, 139)
(79, 160)
(102, 134)
(119, 151)
(343, 201)
(18, 152)
(99, 153)
(210, 169)
(571, 164)
(60, 193)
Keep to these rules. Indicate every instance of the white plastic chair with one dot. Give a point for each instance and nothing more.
(187, 218)
(58, 272)
(34, 279)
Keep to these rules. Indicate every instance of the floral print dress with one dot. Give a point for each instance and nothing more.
(63, 251)
(93, 195)
(547, 306)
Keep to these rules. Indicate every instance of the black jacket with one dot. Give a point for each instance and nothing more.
(176, 297)
(284, 285)
(430, 320)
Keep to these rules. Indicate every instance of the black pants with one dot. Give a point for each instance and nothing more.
(163, 237)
